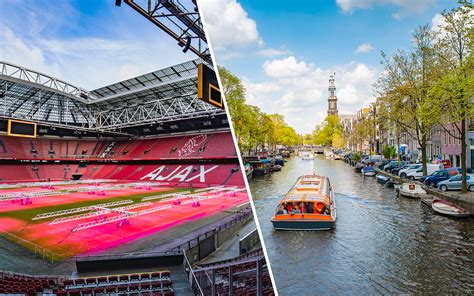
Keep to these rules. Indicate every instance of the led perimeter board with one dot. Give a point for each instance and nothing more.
(21, 128)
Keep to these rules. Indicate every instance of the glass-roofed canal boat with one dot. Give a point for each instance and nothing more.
(309, 205)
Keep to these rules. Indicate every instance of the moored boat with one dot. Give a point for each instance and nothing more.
(276, 168)
(309, 205)
(448, 208)
(382, 178)
(248, 171)
(368, 171)
(411, 190)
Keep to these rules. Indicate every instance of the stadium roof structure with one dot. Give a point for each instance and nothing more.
(179, 19)
(163, 101)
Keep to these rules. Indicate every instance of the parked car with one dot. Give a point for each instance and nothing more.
(383, 163)
(408, 168)
(393, 164)
(455, 183)
(430, 168)
(396, 170)
(441, 175)
(371, 159)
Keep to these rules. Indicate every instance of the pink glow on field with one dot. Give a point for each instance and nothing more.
(70, 198)
(59, 238)
(10, 224)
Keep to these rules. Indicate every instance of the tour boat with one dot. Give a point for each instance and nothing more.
(309, 205)
(411, 190)
(448, 208)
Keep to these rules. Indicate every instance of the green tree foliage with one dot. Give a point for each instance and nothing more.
(329, 133)
(253, 128)
(451, 95)
(405, 85)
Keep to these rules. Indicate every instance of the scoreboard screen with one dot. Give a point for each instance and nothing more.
(21, 129)
(208, 87)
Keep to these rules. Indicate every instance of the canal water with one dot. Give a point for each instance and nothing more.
(381, 244)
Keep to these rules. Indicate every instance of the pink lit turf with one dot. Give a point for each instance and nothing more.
(60, 240)
(69, 198)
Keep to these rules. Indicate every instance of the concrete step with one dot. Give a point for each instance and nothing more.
(180, 282)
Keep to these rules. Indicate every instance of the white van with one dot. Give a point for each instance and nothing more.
(430, 168)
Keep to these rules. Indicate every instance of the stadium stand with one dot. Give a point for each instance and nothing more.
(146, 129)
(145, 283)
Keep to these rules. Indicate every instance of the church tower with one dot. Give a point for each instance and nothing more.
(332, 100)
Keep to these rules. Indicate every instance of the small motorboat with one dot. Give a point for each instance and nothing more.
(276, 168)
(427, 200)
(392, 183)
(382, 179)
(279, 161)
(411, 190)
(368, 171)
(445, 207)
(248, 171)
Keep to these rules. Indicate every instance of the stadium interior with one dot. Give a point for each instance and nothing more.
(134, 188)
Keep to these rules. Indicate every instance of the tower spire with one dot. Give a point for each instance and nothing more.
(332, 99)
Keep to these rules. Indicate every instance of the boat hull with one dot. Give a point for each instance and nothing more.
(303, 225)
(249, 175)
(449, 209)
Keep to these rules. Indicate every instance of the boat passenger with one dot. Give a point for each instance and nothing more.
(295, 210)
(289, 208)
(302, 208)
(309, 208)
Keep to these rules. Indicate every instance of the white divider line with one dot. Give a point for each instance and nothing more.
(100, 211)
(78, 217)
(12, 196)
(81, 209)
(164, 195)
(99, 222)
(118, 218)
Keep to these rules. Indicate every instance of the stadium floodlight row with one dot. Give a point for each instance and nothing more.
(159, 98)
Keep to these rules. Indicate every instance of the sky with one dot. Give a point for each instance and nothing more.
(284, 51)
(88, 43)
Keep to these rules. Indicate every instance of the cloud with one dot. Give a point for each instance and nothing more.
(111, 49)
(364, 48)
(298, 90)
(229, 25)
(407, 7)
(271, 52)
(17, 51)
(285, 68)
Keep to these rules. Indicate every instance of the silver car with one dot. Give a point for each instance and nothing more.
(455, 183)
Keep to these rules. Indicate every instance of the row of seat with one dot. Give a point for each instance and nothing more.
(213, 145)
(156, 287)
(123, 278)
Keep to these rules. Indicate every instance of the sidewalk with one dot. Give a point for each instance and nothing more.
(465, 200)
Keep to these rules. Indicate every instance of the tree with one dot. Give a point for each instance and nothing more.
(451, 103)
(324, 134)
(404, 88)
(254, 129)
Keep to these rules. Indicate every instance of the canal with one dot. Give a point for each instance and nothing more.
(381, 244)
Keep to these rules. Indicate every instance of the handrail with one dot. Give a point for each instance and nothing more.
(192, 272)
